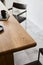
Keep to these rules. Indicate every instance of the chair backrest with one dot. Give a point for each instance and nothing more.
(19, 5)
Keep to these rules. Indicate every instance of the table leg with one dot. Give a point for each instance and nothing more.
(7, 59)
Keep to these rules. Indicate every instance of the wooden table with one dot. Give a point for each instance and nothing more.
(13, 39)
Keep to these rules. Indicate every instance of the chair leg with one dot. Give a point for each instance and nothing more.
(39, 55)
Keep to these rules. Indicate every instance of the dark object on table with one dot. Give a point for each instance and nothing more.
(20, 7)
(1, 29)
(4, 15)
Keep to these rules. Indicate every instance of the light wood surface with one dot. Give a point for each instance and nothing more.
(14, 37)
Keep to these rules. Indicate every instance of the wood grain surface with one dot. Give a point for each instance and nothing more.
(14, 38)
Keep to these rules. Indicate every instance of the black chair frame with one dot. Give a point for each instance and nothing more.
(19, 6)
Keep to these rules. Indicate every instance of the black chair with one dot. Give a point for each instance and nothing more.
(18, 16)
(37, 62)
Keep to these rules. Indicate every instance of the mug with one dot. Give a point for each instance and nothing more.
(3, 13)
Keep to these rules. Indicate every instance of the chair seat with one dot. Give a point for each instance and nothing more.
(41, 50)
(19, 18)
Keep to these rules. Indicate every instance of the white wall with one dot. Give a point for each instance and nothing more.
(35, 12)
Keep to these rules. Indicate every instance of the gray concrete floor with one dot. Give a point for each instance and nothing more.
(31, 54)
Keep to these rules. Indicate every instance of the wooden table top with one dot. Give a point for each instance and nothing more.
(14, 38)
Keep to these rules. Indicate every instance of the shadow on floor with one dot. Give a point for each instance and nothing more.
(34, 63)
